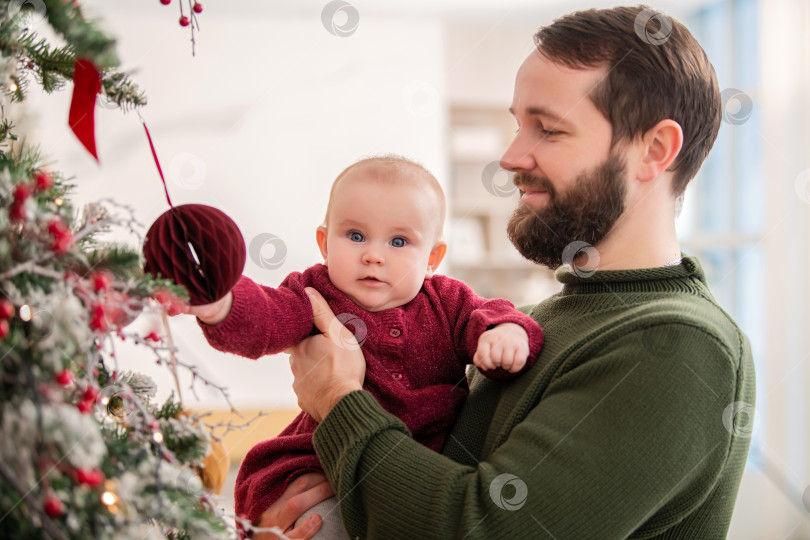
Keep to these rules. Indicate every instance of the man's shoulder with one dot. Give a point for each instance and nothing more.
(677, 319)
(687, 324)
(702, 313)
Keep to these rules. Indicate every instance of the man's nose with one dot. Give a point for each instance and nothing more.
(518, 157)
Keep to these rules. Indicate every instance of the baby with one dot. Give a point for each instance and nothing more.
(381, 242)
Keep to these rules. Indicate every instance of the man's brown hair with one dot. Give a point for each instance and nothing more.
(656, 70)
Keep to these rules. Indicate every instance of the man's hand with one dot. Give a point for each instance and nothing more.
(213, 313)
(327, 366)
(505, 346)
(302, 494)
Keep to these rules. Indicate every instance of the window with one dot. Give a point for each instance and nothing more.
(723, 221)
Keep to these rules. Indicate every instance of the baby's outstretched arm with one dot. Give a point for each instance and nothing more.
(504, 346)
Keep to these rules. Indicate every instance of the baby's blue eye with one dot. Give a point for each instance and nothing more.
(356, 237)
(398, 242)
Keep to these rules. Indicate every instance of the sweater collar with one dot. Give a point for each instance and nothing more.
(688, 274)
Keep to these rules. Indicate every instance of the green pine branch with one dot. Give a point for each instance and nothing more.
(83, 35)
(54, 66)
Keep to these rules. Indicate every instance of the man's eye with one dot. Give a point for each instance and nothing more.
(398, 242)
(356, 237)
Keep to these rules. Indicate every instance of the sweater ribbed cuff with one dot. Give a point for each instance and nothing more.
(350, 423)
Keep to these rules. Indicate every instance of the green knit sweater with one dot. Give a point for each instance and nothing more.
(634, 422)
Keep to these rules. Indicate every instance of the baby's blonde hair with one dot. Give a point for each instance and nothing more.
(394, 168)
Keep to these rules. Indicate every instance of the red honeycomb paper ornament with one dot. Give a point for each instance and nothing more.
(198, 247)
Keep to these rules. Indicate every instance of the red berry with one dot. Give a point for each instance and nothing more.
(43, 181)
(17, 212)
(120, 309)
(61, 244)
(197, 7)
(167, 299)
(62, 238)
(90, 394)
(102, 280)
(53, 506)
(6, 309)
(153, 336)
(57, 227)
(98, 318)
(21, 193)
(165, 2)
(90, 477)
(65, 377)
(5, 329)
(184, 21)
(85, 406)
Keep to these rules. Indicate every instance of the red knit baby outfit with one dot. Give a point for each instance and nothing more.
(416, 356)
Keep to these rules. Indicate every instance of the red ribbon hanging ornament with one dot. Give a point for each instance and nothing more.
(86, 86)
(194, 245)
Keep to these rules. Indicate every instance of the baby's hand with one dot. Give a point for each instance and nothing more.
(213, 313)
(505, 346)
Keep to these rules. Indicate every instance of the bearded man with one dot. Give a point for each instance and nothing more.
(627, 426)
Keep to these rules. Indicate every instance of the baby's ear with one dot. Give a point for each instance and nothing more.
(320, 237)
(436, 256)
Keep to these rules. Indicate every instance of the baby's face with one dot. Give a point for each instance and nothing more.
(380, 240)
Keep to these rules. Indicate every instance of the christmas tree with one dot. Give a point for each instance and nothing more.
(85, 451)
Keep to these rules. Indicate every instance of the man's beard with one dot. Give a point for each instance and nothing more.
(585, 213)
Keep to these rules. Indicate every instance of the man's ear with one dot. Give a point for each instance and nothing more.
(661, 145)
(436, 256)
(320, 237)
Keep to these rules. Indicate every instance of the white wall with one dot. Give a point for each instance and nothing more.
(258, 124)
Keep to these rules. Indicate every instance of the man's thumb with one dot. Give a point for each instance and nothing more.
(321, 313)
